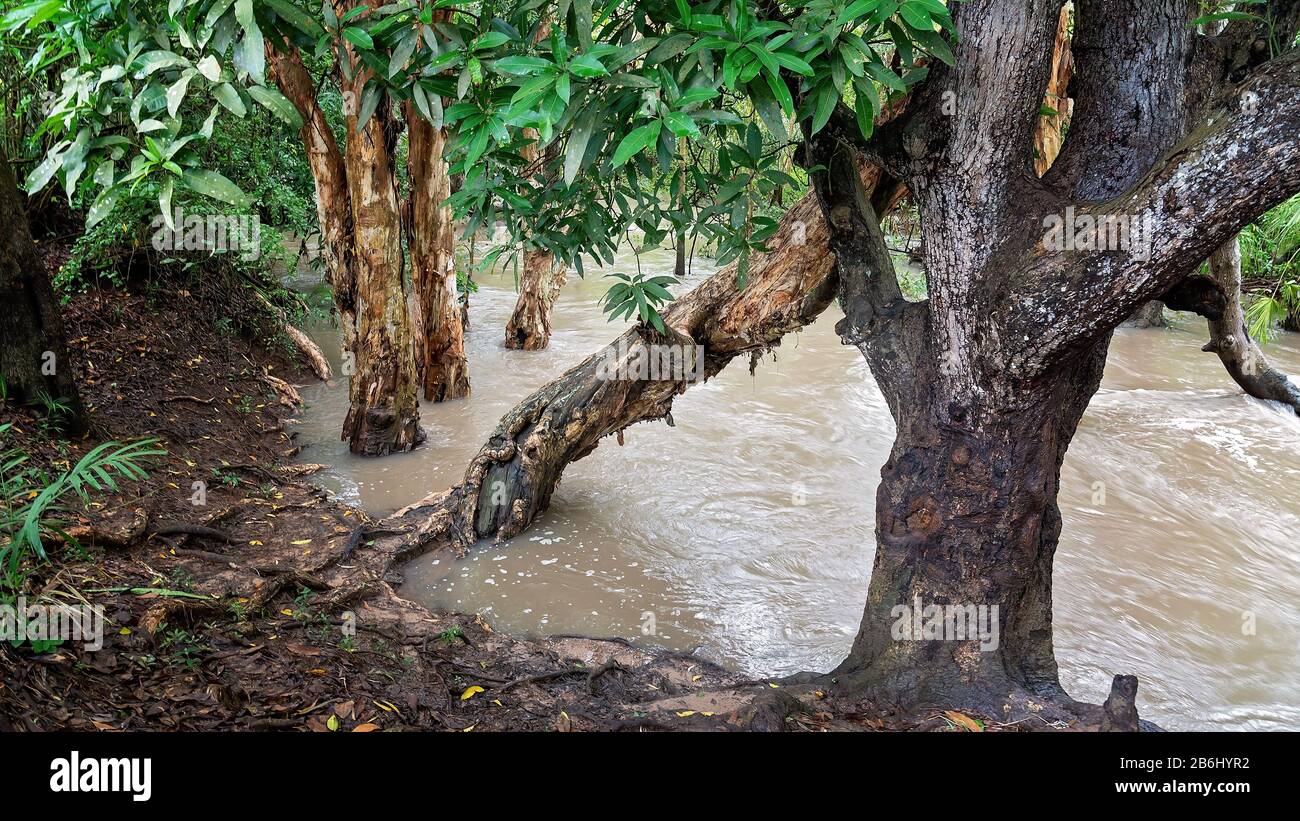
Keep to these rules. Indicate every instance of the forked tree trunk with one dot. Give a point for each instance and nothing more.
(34, 359)
(437, 328)
(356, 202)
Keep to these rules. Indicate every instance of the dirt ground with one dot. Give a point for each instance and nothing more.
(268, 607)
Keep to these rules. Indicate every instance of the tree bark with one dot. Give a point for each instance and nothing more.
(529, 326)
(438, 331)
(356, 203)
(1245, 362)
(383, 413)
(34, 358)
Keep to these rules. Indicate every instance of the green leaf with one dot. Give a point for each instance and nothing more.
(521, 65)
(579, 137)
(102, 206)
(157, 60)
(636, 141)
(681, 124)
(586, 65)
(491, 39)
(228, 97)
(252, 48)
(275, 102)
(176, 92)
(214, 185)
(296, 17)
(358, 37)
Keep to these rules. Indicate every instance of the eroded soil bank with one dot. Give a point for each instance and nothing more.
(264, 607)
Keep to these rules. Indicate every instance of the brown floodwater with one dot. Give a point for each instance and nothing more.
(745, 532)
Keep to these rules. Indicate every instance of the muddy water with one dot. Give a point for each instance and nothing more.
(745, 532)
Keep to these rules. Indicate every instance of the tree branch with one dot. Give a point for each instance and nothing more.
(1240, 162)
(1229, 338)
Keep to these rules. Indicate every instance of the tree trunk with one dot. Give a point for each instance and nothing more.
(356, 203)
(383, 413)
(529, 327)
(438, 332)
(512, 478)
(967, 518)
(33, 352)
(1244, 360)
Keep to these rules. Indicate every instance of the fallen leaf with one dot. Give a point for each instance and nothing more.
(685, 713)
(365, 728)
(964, 721)
(470, 692)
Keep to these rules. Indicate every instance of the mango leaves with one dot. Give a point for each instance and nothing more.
(146, 84)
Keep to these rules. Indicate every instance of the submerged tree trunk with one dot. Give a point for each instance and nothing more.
(34, 359)
(438, 332)
(529, 326)
(356, 202)
(383, 413)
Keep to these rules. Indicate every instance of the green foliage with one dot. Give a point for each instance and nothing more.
(33, 499)
(678, 118)
(638, 295)
(1270, 267)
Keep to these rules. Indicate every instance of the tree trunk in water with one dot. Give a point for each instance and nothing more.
(1244, 360)
(1150, 315)
(356, 203)
(438, 332)
(529, 327)
(383, 412)
(967, 524)
(33, 352)
(512, 478)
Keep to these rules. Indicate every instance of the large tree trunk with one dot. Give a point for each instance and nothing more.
(439, 335)
(967, 517)
(383, 413)
(34, 359)
(356, 202)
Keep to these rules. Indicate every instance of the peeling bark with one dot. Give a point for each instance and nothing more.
(33, 351)
(356, 202)
(383, 413)
(438, 333)
(529, 326)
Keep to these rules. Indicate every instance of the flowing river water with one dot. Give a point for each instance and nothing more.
(746, 531)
